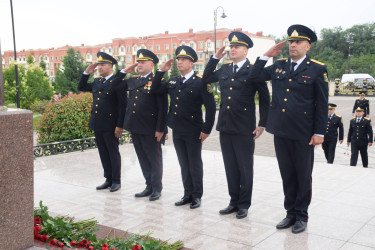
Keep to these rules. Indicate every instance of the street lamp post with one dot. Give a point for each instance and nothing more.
(215, 22)
(15, 58)
(349, 40)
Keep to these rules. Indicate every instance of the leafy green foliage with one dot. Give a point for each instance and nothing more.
(174, 70)
(67, 79)
(42, 64)
(10, 90)
(40, 106)
(66, 119)
(30, 59)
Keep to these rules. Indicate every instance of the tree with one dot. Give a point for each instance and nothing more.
(42, 64)
(174, 70)
(10, 90)
(30, 59)
(67, 79)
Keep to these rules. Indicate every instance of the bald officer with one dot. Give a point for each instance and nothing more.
(146, 120)
(107, 117)
(331, 135)
(297, 119)
(237, 122)
(188, 93)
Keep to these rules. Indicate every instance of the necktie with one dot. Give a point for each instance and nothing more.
(292, 68)
(358, 120)
(235, 67)
(183, 79)
(329, 117)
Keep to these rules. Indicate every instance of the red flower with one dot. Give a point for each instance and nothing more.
(137, 247)
(104, 248)
(60, 244)
(91, 248)
(113, 249)
(73, 243)
(38, 220)
(80, 245)
(45, 238)
(104, 245)
(84, 241)
(90, 241)
(37, 229)
(53, 242)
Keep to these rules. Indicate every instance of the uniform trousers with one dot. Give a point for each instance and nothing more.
(354, 157)
(238, 156)
(150, 158)
(329, 148)
(189, 154)
(109, 155)
(296, 159)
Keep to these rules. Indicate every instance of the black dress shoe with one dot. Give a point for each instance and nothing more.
(228, 210)
(242, 213)
(155, 196)
(285, 223)
(144, 193)
(115, 187)
(196, 202)
(299, 227)
(183, 201)
(105, 185)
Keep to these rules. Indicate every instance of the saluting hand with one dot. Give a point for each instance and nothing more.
(275, 50)
(131, 68)
(203, 137)
(258, 132)
(167, 65)
(91, 69)
(220, 53)
(316, 140)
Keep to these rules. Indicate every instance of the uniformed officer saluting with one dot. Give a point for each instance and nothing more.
(187, 93)
(146, 120)
(360, 136)
(237, 123)
(107, 117)
(330, 137)
(298, 120)
(362, 103)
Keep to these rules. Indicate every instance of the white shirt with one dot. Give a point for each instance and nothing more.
(188, 75)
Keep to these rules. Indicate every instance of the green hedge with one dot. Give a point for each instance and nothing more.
(66, 119)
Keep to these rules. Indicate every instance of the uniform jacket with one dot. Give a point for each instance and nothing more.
(237, 106)
(108, 108)
(360, 133)
(332, 125)
(299, 105)
(363, 104)
(146, 112)
(185, 109)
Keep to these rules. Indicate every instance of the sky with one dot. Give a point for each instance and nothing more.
(56, 23)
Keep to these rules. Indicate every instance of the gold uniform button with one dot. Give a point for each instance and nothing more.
(96, 105)
(177, 98)
(137, 90)
(229, 97)
(244, 80)
(100, 92)
(136, 97)
(192, 116)
(304, 81)
(304, 113)
(179, 90)
(134, 104)
(98, 98)
(290, 80)
(110, 114)
(230, 88)
(96, 112)
(228, 107)
(232, 80)
(278, 76)
(283, 110)
(285, 99)
(191, 91)
(176, 105)
(175, 113)
(287, 90)
(245, 109)
(133, 111)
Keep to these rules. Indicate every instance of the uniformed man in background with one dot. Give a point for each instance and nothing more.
(188, 93)
(145, 118)
(297, 119)
(331, 135)
(237, 122)
(360, 136)
(362, 103)
(107, 117)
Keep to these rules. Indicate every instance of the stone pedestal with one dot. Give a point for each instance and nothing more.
(16, 179)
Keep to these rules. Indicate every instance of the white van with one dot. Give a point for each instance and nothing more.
(357, 79)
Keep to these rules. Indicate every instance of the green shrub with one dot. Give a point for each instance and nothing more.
(40, 106)
(67, 119)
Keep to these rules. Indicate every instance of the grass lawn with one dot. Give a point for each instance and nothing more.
(35, 121)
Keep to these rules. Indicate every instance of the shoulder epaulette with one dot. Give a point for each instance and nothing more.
(228, 63)
(367, 118)
(366, 99)
(338, 116)
(98, 77)
(315, 61)
(353, 118)
(135, 75)
(285, 59)
(198, 75)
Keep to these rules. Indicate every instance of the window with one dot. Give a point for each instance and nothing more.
(169, 56)
(157, 47)
(45, 58)
(218, 43)
(128, 49)
(201, 45)
(208, 44)
(88, 56)
(200, 55)
(201, 66)
(129, 58)
(56, 58)
(150, 47)
(51, 58)
(122, 49)
(143, 47)
(226, 42)
(135, 49)
(109, 50)
(192, 45)
(116, 50)
(103, 49)
(166, 46)
(174, 46)
(61, 58)
(51, 73)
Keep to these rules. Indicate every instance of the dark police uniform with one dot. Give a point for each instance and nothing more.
(331, 135)
(237, 121)
(360, 134)
(185, 120)
(107, 113)
(363, 104)
(298, 111)
(145, 114)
